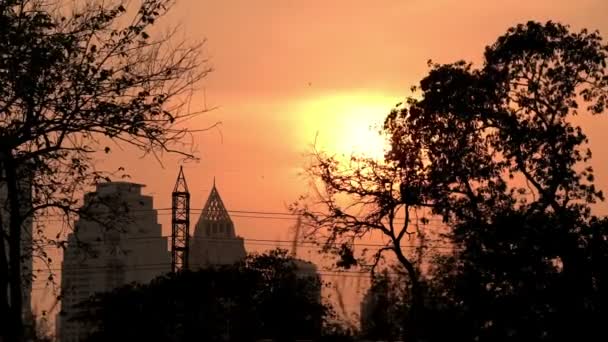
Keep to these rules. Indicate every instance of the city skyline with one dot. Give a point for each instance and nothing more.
(269, 123)
(259, 151)
(118, 241)
(458, 147)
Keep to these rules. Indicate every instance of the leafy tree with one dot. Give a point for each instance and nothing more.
(508, 170)
(476, 129)
(172, 308)
(73, 79)
(495, 153)
(282, 276)
(266, 296)
(382, 309)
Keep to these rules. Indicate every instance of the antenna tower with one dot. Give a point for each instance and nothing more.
(180, 224)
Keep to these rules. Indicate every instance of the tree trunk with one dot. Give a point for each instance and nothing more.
(4, 306)
(14, 248)
(411, 331)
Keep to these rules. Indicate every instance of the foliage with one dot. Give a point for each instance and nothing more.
(383, 312)
(75, 78)
(473, 130)
(289, 296)
(514, 287)
(498, 156)
(264, 297)
(336, 332)
(494, 152)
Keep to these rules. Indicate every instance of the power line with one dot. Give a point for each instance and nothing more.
(263, 242)
(167, 266)
(248, 213)
(276, 241)
(358, 275)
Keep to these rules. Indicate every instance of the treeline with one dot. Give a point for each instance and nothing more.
(268, 296)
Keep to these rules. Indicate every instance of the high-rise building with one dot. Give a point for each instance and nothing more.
(116, 241)
(215, 241)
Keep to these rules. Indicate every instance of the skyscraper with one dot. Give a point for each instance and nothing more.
(215, 241)
(116, 241)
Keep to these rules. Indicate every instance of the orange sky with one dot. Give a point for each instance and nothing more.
(287, 70)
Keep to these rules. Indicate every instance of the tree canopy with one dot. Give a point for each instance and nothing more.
(267, 296)
(508, 170)
(494, 153)
(75, 78)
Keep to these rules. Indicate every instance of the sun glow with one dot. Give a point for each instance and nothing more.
(346, 124)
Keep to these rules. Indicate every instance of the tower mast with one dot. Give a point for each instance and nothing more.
(180, 224)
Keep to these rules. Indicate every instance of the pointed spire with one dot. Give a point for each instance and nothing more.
(180, 184)
(214, 209)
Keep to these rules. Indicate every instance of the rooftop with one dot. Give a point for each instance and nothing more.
(214, 209)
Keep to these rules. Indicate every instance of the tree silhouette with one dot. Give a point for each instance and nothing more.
(359, 197)
(267, 296)
(73, 79)
(494, 152)
(382, 310)
(508, 172)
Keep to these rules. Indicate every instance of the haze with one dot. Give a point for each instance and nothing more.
(289, 72)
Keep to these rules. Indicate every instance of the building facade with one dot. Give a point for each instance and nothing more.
(214, 241)
(116, 241)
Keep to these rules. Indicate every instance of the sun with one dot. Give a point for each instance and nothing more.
(346, 124)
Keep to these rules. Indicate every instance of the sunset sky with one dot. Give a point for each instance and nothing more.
(287, 71)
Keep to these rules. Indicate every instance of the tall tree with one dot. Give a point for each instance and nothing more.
(73, 79)
(508, 170)
(358, 197)
(495, 153)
